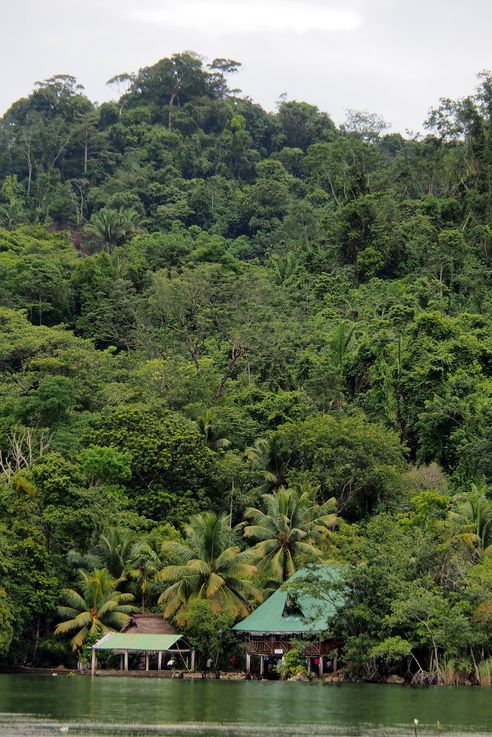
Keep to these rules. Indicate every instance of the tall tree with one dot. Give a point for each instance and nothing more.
(96, 610)
(290, 530)
(210, 566)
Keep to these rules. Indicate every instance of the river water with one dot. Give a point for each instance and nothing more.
(31, 706)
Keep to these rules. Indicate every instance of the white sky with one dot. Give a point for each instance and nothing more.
(392, 57)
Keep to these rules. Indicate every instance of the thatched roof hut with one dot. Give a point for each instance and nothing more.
(149, 624)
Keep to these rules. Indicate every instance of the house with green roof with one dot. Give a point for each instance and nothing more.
(303, 608)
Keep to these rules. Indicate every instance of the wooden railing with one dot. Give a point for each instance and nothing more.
(273, 646)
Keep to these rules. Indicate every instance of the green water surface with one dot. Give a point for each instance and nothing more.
(39, 705)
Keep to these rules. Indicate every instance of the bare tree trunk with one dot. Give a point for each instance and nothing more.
(235, 356)
(475, 666)
(232, 500)
(36, 640)
(29, 163)
(86, 151)
(174, 94)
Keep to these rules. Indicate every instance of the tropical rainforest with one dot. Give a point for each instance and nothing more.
(233, 342)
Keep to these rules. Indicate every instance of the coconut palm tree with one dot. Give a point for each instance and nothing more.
(291, 530)
(96, 610)
(142, 568)
(115, 550)
(267, 458)
(211, 566)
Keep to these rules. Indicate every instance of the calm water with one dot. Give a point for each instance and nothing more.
(43, 705)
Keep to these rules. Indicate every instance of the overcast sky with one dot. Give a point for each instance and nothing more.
(392, 57)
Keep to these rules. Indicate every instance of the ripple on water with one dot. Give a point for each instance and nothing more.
(25, 725)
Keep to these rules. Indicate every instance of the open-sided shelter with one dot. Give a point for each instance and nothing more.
(124, 643)
(148, 635)
(303, 608)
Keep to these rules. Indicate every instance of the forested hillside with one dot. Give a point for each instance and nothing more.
(274, 323)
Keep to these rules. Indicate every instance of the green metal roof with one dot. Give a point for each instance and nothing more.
(306, 614)
(136, 641)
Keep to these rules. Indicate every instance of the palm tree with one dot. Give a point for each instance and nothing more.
(115, 549)
(211, 566)
(98, 609)
(267, 458)
(291, 531)
(340, 342)
(142, 567)
(114, 227)
(205, 420)
(106, 225)
(285, 267)
(131, 222)
(476, 510)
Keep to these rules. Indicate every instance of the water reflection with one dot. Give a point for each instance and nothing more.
(126, 706)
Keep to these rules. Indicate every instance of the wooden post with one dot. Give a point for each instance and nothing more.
(122, 664)
(309, 669)
(159, 660)
(192, 660)
(93, 662)
(262, 666)
(248, 663)
(146, 661)
(126, 659)
(335, 664)
(320, 666)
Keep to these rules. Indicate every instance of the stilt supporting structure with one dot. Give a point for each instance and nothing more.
(248, 663)
(93, 662)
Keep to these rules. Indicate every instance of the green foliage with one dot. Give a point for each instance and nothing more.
(293, 530)
(209, 632)
(6, 618)
(105, 464)
(292, 663)
(209, 565)
(202, 302)
(98, 609)
(170, 461)
(114, 227)
(391, 650)
(357, 462)
(417, 613)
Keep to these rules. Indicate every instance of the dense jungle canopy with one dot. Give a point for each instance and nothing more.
(209, 310)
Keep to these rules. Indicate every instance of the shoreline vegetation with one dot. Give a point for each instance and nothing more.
(234, 343)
